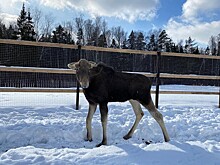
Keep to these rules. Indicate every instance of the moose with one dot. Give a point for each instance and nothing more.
(102, 84)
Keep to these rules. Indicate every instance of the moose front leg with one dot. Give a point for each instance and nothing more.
(92, 109)
(104, 117)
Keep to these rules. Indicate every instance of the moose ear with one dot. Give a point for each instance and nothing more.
(92, 64)
(73, 65)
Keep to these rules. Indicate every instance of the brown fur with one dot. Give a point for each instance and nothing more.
(102, 84)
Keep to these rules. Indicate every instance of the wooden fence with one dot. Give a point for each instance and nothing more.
(72, 90)
(158, 75)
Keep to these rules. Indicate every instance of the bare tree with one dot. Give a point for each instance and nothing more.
(213, 45)
(218, 44)
(79, 26)
(108, 35)
(69, 28)
(89, 28)
(37, 17)
(119, 35)
(1, 19)
(79, 22)
(47, 26)
(104, 26)
(97, 30)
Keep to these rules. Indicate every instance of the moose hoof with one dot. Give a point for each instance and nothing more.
(88, 139)
(100, 144)
(126, 137)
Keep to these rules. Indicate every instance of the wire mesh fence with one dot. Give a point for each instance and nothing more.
(47, 56)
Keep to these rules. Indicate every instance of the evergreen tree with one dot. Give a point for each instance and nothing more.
(196, 51)
(124, 44)
(162, 41)
(7, 33)
(113, 45)
(21, 23)
(79, 36)
(177, 49)
(165, 43)
(151, 46)
(69, 39)
(207, 51)
(102, 41)
(181, 49)
(30, 33)
(141, 44)
(59, 35)
(190, 45)
(173, 47)
(132, 41)
(12, 33)
(3, 31)
(25, 25)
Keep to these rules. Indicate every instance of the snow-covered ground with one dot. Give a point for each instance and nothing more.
(44, 128)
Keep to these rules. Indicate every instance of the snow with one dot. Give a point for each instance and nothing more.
(44, 128)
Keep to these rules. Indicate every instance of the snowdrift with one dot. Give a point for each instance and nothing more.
(42, 128)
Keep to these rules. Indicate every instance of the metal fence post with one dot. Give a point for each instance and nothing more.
(219, 88)
(77, 84)
(157, 79)
(219, 75)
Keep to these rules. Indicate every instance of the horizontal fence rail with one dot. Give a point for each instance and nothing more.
(36, 70)
(69, 71)
(94, 48)
(74, 90)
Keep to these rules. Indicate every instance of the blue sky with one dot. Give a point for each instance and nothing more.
(198, 19)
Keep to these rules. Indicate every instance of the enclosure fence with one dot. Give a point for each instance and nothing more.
(75, 54)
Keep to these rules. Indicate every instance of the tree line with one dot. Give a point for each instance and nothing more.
(95, 32)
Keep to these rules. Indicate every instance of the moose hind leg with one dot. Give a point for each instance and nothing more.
(158, 117)
(138, 113)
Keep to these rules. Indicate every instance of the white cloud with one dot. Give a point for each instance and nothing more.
(129, 10)
(9, 10)
(8, 19)
(11, 5)
(195, 9)
(201, 31)
(194, 23)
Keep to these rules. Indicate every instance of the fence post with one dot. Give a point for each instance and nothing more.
(219, 89)
(219, 83)
(157, 79)
(219, 74)
(77, 83)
